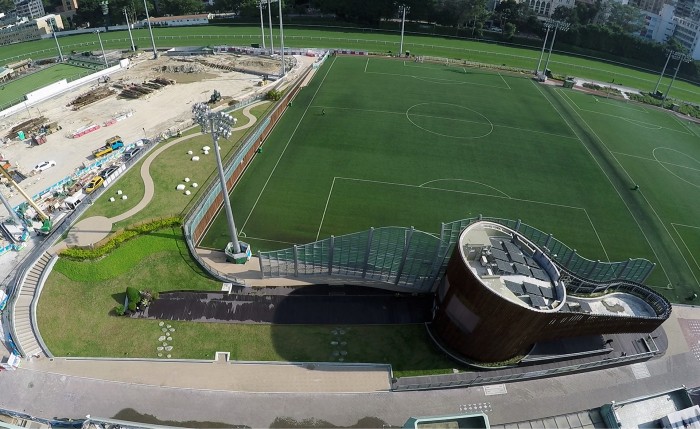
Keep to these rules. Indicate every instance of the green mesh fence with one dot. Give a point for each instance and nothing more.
(415, 260)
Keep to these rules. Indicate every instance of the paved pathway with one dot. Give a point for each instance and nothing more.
(93, 229)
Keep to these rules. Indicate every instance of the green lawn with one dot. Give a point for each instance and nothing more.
(14, 91)
(74, 314)
(406, 144)
(243, 35)
(168, 170)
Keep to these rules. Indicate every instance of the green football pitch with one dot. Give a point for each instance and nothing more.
(12, 92)
(377, 142)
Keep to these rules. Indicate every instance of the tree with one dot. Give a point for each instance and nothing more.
(627, 18)
(509, 30)
(565, 14)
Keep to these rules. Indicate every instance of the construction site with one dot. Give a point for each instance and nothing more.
(151, 98)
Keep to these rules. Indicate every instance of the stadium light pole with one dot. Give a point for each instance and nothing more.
(262, 24)
(269, 19)
(404, 9)
(681, 59)
(150, 30)
(284, 69)
(219, 124)
(668, 58)
(128, 27)
(105, 12)
(104, 56)
(558, 25)
(548, 25)
(55, 38)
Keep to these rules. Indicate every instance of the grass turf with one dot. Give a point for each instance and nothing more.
(168, 170)
(14, 91)
(243, 35)
(75, 317)
(417, 144)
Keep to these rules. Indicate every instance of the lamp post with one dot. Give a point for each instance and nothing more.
(55, 38)
(104, 56)
(262, 24)
(150, 30)
(269, 19)
(284, 69)
(548, 24)
(682, 58)
(128, 27)
(558, 25)
(105, 12)
(219, 124)
(668, 58)
(404, 9)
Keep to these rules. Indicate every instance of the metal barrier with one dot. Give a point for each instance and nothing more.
(384, 257)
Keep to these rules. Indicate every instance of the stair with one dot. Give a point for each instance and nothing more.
(21, 314)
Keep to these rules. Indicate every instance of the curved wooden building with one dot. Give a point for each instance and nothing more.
(501, 294)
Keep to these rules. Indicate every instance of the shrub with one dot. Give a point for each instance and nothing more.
(119, 310)
(119, 238)
(274, 95)
(132, 306)
(133, 295)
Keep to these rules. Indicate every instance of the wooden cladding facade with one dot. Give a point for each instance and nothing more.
(478, 323)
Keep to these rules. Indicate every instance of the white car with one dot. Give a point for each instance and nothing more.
(45, 165)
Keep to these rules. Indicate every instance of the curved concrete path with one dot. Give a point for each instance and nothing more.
(93, 229)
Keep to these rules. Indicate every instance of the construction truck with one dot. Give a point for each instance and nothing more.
(112, 144)
(47, 222)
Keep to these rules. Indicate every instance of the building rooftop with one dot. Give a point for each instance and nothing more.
(648, 411)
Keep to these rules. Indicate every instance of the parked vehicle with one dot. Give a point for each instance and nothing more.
(105, 173)
(113, 143)
(132, 153)
(95, 183)
(45, 165)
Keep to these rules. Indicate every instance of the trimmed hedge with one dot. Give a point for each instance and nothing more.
(117, 239)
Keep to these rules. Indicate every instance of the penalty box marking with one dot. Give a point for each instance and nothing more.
(422, 186)
(674, 225)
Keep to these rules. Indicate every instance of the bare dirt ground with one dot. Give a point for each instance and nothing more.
(164, 109)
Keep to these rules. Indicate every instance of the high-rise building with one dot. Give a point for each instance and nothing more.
(30, 9)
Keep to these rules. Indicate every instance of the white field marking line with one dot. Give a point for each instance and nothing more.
(598, 236)
(657, 161)
(464, 70)
(504, 81)
(465, 180)
(634, 109)
(439, 117)
(286, 146)
(609, 180)
(663, 224)
(631, 121)
(458, 192)
(683, 241)
(446, 81)
(324, 209)
(366, 64)
(273, 241)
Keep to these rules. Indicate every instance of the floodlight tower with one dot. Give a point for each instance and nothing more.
(150, 30)
(558, 25)
(105, 12)
(548, 24)
(404, 9)
(104, 56)
(128, 27)
(262, 24)
(219, 124)
(269, 19)
(55, 38)
(284, 69)
(682, 58)
(668, 58)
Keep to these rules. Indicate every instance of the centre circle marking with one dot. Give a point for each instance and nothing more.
(408, 116)
(662, 164)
